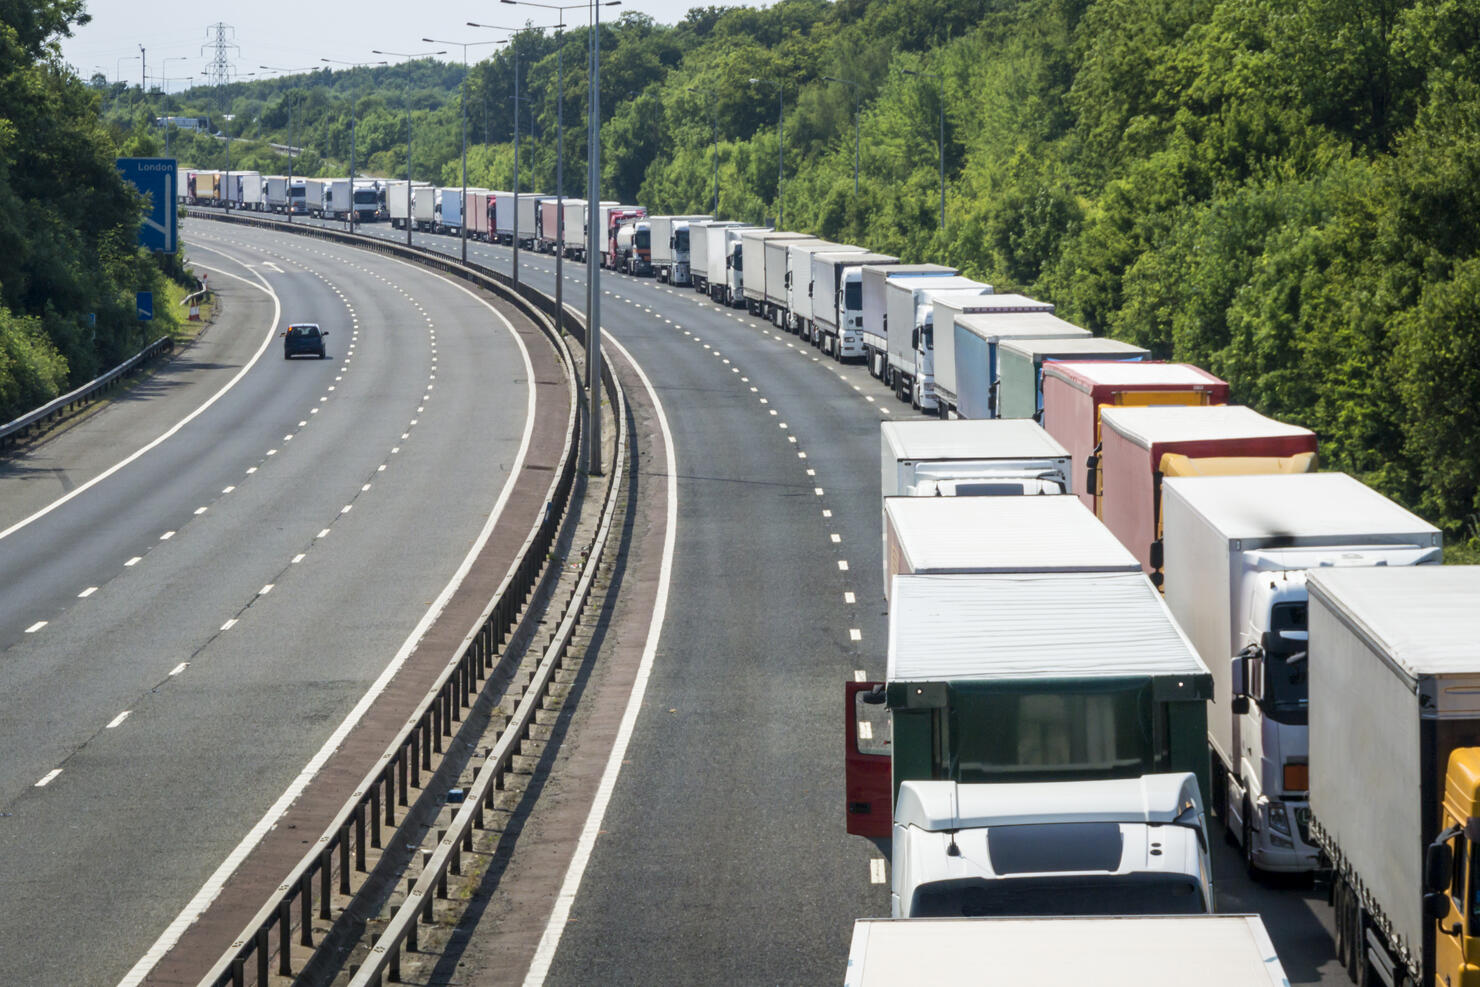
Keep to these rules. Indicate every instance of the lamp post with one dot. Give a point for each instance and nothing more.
(164, 70)
(408, 56)
(288, 192)
(780, 150)
(514, 240)
(463, 107)
(714, 126)
(941, 80)
(855, 87)
(353, 126)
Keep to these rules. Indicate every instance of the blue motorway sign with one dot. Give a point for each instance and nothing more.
(144, 302)
(155, 178)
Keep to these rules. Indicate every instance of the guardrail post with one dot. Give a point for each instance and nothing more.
(395, 970)
(375, 815)
(305, 910)
(239, 971)
(427, 729)
(360, 838)
(326, 871)
(344, 860)
(435, 740)
(401, 770)
(285, 938)
(411, 945)
(456, 865)
(262, 955)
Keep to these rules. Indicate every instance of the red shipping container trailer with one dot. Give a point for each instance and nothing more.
(1074, 392)
(1138, 446)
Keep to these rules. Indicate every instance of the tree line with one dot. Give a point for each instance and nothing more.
(1282, 192)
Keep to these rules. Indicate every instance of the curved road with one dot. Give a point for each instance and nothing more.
(179, 633)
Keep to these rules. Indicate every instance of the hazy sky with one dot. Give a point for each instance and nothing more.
(297, 34)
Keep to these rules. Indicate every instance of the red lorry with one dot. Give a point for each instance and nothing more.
(1140, 446)
(1074, 392)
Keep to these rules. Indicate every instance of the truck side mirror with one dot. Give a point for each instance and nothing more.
(1438, 863)
(1238, 701)
(1436, 908)
(915, 340)
(1156, 554)
(1092, 474)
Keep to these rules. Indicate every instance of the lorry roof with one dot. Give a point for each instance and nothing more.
(941, 284)
(972, 438)
(1424, 618)
(1208, 950)
(766, 233)
(1145, 374)
(851, 257)
(945, 805)
(919, 270)
(1296, 506)
(998, 626)
(1019, 324)
(1003, 303)
(1005, 534)
(1047, 347)
(1166, 423)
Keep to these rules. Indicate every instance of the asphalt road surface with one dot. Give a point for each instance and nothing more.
(185, 622)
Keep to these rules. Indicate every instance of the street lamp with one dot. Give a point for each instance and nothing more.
(165, 70)
(408, 56)
(714, 125)
(514, 240)
(463, 106)
(353, 124)
(855, 87)
(288, 192)
(940, 79)
(780, 150)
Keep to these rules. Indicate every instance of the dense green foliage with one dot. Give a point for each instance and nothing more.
(70, 268)
(1283, 192)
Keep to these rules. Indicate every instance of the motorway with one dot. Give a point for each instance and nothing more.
(205, 577)
(722, 855)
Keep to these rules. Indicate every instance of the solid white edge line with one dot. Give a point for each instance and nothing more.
(217, 881)
(271, 335)
(544, 953)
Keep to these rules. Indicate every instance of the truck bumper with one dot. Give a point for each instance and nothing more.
(1276, 851)
(850, 345)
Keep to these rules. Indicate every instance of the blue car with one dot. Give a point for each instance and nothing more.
(304, 338)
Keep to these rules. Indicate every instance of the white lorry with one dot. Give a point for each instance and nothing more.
(798, 316)
(1105, 951)
(672, 251)
(448, 210)
(526, 208)
(1116, 846)
(752, 266)
(836, 301)
(337, 198)
(778, 275)
(400, 199)
(709, 256)
(876, 310)
(1236, 552)
(970, 458)
(252, 191)
(1006, 533)
(968, 331)
(1395, 767)
(368, 200)
(910, 307)
(313, 197)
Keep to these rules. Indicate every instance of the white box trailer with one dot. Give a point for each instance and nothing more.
(1395, 765)
(910, 308)
(337, 198)
(876, 311)
(1236, 551)
(946, 459)
(526, 206)
(798, 316)
(478, 213)
(398, 202)
(837, 301)
(573, 220)
(313, 196)
(966, 360)
(503, 216)
(253, 191)
(778, 274)
(708, 256)
(1106, 951)
(753, 266)
(964, 535)
(672, 247)
(448, 210)
(424, 208)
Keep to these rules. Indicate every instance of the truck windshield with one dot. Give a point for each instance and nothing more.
(366, 197)
(736, 264)
(1110, 894)
(1285, 680)
(853, 295)
(681, 239)
(644, 239)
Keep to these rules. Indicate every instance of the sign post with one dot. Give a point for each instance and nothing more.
(155, 178)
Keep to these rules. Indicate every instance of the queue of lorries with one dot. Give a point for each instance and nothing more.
(1115, 601)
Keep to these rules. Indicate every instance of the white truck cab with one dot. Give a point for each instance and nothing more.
(1132, 846)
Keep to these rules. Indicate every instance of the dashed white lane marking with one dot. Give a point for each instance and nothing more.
(36, 627)
(876, 870)
(167, 536)
(817, 491)
(200, 510)
(266, 589)
(859, 675)
(48, 778)
(298, 558)
(117, 720)
(836, 538)
(826, 513)
(134, 561)
(854, 634)
(87, 592)
(179, 668)
(842, 565)
(323, 534)
(229, 624)
(227, 490)
(848, 597)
